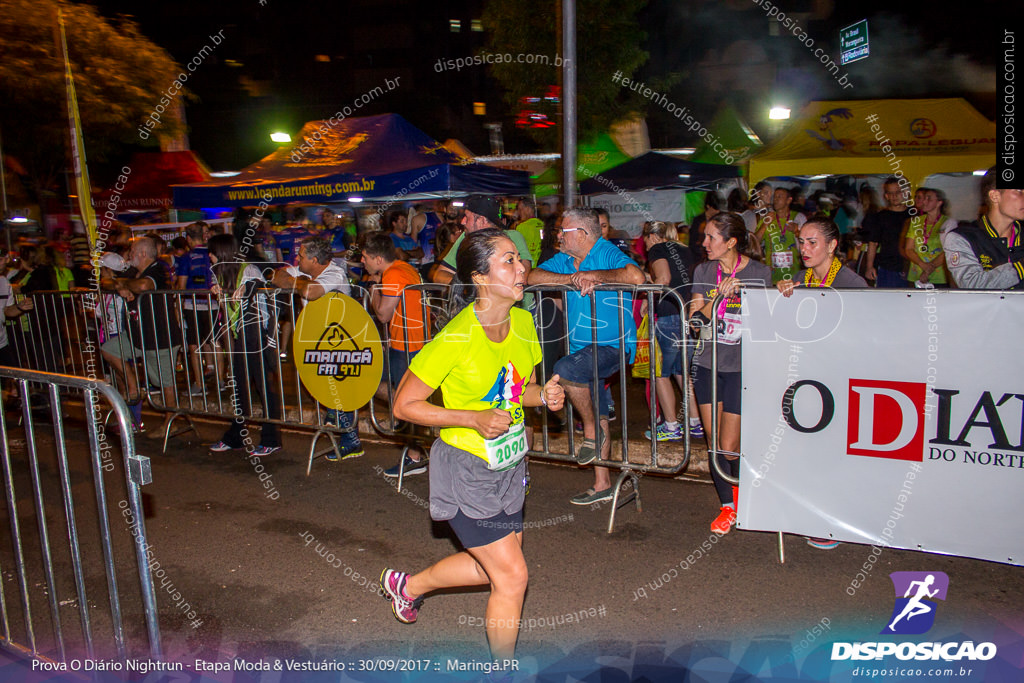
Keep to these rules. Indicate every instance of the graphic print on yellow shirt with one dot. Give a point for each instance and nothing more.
(475, 373)
(507, 394)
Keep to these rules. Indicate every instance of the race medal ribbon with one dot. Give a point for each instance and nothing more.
(731, 322)
(718, 283)
(811, 280)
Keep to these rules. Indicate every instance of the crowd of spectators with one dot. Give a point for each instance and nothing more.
(907, 242)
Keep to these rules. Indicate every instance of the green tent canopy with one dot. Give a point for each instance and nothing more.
(591, 159)
(734, 138)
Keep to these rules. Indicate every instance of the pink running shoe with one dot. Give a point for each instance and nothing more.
(393, 585)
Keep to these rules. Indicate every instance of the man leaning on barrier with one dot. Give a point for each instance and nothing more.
(402, 312)
(587, 260)
(989, 254)
(154, 324)
(314, 275)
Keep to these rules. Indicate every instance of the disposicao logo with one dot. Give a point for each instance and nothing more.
(916, 593)
(914, 614)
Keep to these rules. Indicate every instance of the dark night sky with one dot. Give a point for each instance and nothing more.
(265, 74)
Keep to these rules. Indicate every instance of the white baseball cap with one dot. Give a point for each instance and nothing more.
(113, 261)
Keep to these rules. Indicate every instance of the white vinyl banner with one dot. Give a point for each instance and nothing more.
(629, 211)
(893, 418)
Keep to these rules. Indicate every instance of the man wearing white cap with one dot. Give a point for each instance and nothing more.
(155, 333)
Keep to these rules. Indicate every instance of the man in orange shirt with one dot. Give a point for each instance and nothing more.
(402, 312)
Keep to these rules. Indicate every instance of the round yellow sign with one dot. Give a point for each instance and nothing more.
(338, 352)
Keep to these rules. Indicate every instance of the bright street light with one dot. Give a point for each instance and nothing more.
(280, 137)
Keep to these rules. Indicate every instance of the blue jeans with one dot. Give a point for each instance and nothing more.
(578, 368)
(666, 332)
(398, 364)
(890, 279)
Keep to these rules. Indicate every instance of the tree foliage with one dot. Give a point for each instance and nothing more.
(608, 42)
(119, 78)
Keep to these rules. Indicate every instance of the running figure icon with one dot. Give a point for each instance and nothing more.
(916, 601)
(915, 607)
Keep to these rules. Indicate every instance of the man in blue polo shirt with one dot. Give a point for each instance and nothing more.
(587, 260)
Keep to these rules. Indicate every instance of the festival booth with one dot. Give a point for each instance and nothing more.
(143, 191)
(652, 186)
(372, 158)
(913, 139)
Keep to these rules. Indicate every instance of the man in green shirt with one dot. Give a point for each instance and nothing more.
(530, 227)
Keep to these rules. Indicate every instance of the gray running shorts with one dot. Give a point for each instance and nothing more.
(460, 480)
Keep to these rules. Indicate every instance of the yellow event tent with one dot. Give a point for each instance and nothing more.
(880, 137)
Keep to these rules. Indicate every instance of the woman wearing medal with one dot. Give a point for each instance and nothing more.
(484, 363)
(818, 241)
(729, 265)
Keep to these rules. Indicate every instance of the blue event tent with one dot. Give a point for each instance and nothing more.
(373, 158)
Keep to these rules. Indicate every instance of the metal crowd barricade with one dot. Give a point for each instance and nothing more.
(713, 433)
(84, 539)
(64, 332)
(149, 341)
(261, 355)
(49, 332)
(628, 469)
(155, 336)
(40, 337)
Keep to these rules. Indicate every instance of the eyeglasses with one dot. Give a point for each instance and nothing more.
(570, 229)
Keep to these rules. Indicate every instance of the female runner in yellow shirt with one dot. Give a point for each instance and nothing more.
(483, 361)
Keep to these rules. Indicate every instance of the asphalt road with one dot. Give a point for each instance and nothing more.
(291, 577)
